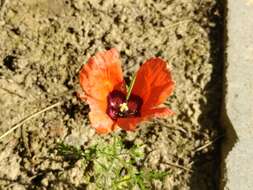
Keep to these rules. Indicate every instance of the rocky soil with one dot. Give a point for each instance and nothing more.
(43, 45)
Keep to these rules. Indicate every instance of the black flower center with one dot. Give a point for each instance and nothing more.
(119, 107)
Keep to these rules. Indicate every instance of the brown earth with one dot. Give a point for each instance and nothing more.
(43, 45)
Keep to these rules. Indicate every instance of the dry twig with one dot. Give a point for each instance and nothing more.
(20, 123)
(208, 144)
(11, 92)
(178, 166)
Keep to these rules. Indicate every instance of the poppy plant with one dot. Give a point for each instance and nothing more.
(112, 104)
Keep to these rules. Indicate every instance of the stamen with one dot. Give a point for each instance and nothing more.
(123, 107)
(119, 107)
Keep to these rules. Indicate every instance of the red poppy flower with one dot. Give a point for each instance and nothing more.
(111, 105)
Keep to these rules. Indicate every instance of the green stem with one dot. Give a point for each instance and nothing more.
(130, 88)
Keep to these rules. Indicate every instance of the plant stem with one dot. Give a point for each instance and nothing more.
(130, 88)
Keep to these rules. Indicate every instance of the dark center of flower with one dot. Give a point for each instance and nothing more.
(119, 107)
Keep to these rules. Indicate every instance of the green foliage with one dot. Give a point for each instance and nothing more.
(112, 165)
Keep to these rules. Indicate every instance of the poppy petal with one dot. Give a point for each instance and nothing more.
(99, 119)
(129, 124)
(101, 122)
(81, 95)
(153, 83)
(101, 75)
(157, 112)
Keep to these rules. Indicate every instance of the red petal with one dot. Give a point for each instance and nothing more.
(129, 124)
(157, 112)
(100, 120)
(153, 83)
(101, 75)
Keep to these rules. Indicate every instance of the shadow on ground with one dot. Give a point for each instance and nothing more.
(211, 163)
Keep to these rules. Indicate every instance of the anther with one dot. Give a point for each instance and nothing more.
(123, 107)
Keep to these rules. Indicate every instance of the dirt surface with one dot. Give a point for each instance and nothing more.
(43, 45)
